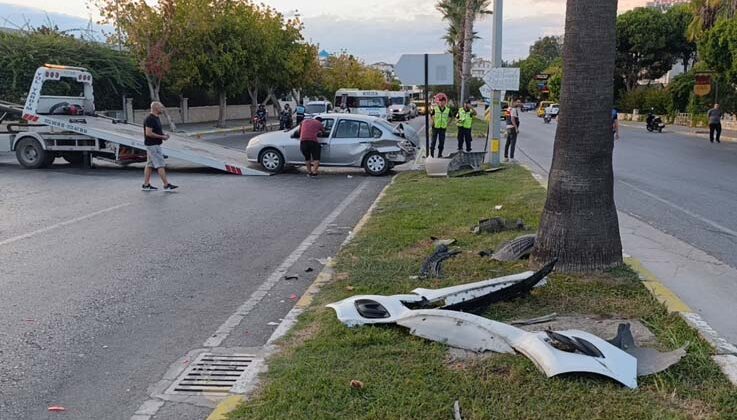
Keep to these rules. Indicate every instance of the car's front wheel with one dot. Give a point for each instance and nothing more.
(272, 160)
(375, 164)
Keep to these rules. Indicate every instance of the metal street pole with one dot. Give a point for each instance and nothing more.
(496, 61)
(427, 111)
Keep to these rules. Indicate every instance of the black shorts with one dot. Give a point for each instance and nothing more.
(310, 150)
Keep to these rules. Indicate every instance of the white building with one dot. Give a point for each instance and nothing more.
(386, 68)
(479, 67)
(666, 4)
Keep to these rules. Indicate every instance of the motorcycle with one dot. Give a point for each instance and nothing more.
(285, 120)
(654, 123)
(259, 123)
(547, 118)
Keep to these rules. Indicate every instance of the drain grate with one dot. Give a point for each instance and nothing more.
(212, 374)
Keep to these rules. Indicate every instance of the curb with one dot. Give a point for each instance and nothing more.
(726, 353)
(229, 404)
(726, 139)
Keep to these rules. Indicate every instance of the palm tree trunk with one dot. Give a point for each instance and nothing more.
(579, 223)
(222, 105)
(467, 44)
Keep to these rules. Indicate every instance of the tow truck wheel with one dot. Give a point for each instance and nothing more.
(30, 154)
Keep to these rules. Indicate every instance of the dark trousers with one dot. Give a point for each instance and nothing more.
(511, 142)
(715, 128)
(464, 136)
(438, 138)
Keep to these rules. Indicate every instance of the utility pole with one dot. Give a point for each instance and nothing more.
(496, 106)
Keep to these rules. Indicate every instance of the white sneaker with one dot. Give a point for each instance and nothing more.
(506, 159)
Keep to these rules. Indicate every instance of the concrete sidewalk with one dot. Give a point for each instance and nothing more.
(701, 132)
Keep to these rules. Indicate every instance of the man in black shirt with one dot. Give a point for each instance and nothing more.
(153, 137)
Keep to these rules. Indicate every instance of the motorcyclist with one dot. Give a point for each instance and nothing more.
(552, 111)
(650, 117)
(262, 114)
(285, 120)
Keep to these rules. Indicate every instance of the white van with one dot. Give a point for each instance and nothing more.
(374, 103)
(317, 107)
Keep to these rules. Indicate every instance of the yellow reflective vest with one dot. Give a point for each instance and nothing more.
(465, 118)
(441, 117)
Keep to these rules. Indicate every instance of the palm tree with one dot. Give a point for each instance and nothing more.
(579, 223)
(705, 14)
(459, 33)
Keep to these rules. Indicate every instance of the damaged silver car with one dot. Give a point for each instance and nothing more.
(346, 140)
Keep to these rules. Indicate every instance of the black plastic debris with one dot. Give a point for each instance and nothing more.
(433, 265)
(516, 249)
(497, 224)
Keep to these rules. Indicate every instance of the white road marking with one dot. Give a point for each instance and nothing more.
(61, 224)
(715, 225)
(234, 320)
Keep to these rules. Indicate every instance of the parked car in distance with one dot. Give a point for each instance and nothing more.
(347, 140)
(401, 107)
(313, 108)
(420, 105)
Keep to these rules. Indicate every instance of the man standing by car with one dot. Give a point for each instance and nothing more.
(715, 123)
(465, 122)
(153, 137)
(309, 144)
(439, 116)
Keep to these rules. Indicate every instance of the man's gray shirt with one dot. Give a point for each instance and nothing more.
(715, 116)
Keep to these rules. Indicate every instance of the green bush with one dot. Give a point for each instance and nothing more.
(646, 98)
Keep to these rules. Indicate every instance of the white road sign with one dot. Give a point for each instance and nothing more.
(410, 69)
(503, 78)
(486, 91)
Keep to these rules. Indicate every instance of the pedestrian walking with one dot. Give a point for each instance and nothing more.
(153, 136)
(715, 123)
(512, 131)
(309, 144)
(439, 116)
(615, 123)
(465, 122)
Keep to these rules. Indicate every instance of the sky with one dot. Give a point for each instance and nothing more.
(374, 30)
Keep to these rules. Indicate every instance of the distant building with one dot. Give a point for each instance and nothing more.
(322, 56)
(665, 4)
(386, 68)
(479, 67)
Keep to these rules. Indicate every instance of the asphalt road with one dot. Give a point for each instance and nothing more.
(679, 184)
(105, 286)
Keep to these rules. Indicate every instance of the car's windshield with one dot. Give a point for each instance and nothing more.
(398, 100)
(372, 102)
(314, 108)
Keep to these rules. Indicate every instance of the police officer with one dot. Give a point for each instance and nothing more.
(439, 116)
(465, 122)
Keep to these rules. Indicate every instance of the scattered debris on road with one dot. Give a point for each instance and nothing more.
(516, 249)
(57, 409)
(272, 323)
(538, 320)
(438, 241)
(496, 225)
(457, 411)
(649, 361)
(293, 297)
(432, 267)
(291, 277)
(309, 270)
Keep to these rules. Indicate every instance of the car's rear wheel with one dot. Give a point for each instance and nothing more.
(272, 160)
(375, 164)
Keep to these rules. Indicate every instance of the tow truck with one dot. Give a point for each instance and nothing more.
(68, 127)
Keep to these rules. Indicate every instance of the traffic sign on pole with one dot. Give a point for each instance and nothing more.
(486, 91)
(410, 69)
(503, 78)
